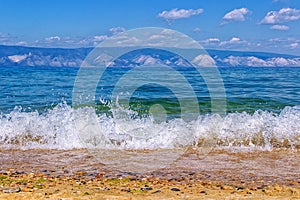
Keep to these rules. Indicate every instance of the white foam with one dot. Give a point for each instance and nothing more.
(59, 128)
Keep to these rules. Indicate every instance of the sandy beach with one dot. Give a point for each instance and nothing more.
(223, 174)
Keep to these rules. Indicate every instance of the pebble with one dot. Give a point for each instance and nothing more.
(11, 190)
(202, 192)
(146, 188)
(125, 190)
(175, 189)
(157, 191)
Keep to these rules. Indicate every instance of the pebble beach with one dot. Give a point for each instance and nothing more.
(223, 174)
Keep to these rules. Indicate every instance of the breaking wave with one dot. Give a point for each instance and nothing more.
(58, 128)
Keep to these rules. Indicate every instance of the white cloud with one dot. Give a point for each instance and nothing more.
(99, 38)
(294, 45)
(179, 13)
(283, 15)
(197, 30)
(281, 42)
(237, 15)
(22, 43)
(234, 40)
(213, 40)
(116, 30)
(52, 38)
(210, 41)
(234, 43)
(280, 27)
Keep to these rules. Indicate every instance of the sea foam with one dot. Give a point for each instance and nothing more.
(64, 127)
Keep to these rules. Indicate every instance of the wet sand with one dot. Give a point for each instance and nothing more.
(76, 174)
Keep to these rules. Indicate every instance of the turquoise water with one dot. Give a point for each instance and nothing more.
(247, 89)
(261, 102)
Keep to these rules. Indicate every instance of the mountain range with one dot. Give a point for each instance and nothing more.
(63, 57)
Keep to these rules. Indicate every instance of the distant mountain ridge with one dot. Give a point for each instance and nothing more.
(63, 57)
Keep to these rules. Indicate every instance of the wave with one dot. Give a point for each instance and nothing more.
(64, 127)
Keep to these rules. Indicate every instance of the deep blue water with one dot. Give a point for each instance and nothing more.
(247, 89)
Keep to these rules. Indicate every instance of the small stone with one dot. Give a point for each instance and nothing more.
(175, 189)
(202, 191)
(261, 187)
(295, 183)
(125, 190)
(12, 190)
(99, 176)
(239, 188)
(146, 188)
(30, 175)
(157, 191)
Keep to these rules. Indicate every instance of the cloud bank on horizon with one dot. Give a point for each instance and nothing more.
(272, 26)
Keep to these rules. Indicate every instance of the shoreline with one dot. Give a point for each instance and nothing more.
(75, 174)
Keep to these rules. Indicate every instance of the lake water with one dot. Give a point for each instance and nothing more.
(262, 110)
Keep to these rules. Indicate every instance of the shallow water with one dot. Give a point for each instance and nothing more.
(248, 168)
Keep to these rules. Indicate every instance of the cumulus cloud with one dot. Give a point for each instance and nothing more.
(283, 15)
(233, 43)
(99, 38)
(116, 30)
(55, 41)
(280, 27)
(234, 40)
(237, 15)
(294, 45)
(52, 38)
(179, 13)
(210, 41)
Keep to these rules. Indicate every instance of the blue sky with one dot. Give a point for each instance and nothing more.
(255, 25)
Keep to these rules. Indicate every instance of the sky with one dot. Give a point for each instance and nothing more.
(247, 25)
